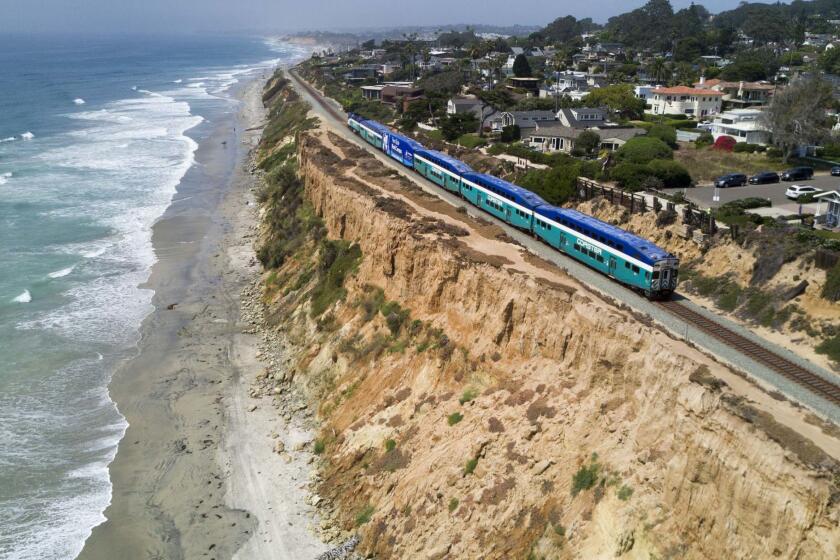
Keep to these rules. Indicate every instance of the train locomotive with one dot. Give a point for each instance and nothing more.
(621, 255)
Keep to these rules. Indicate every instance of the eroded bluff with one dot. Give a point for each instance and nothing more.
(477, 402)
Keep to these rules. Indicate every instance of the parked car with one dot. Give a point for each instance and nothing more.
(835, 171)
(764, 178)
(798, 174)
(795, 192)
(731, 180)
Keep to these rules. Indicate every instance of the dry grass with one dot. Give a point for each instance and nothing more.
(705, 164)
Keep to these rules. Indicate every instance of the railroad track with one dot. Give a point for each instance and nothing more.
(781, 365)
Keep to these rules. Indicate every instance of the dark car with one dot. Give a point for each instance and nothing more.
(731, 180)
(798, 174)
(764, 178)
(835, 171)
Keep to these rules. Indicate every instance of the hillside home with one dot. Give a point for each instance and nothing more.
(744, 125)
(682, 100)
(556, 137)
(583, 117)
(525, 120)
(739, 94)
(459, 106)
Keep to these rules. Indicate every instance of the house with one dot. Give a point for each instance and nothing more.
(744, 125)
(739, 94)
(643, 92)
(531, 85)
(373, 92)
(401, 95)
(583, 117)
(828, 210)
(683, 100)
(556, 137)
(362, 73)
(458, 106)
(525, 120)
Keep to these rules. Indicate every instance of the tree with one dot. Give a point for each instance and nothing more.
(659, 71)
(667, 134)
(620, 98)
(725, 144)
(587, 143)
(521, 66)
(796, 116)
(644, 149)
(511, 133)
(455, 126)
(830, 60)
(497, 99)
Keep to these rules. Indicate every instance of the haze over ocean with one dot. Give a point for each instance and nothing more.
(95, 134)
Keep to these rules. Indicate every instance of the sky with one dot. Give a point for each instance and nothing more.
(168, 16)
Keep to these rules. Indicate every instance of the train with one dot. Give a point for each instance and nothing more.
(623, 256)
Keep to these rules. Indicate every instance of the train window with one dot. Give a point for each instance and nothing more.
(647, 275)
(592, 254)
(600, 258)
(626, 264)
(655, 274)
(635, 269)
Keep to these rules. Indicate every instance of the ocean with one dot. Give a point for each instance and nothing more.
(95, 135)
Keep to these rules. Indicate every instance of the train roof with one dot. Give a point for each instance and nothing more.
(513, 192)
(636, 246)
(376, 126)
(445, 160)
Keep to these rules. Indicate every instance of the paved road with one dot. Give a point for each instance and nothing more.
(611, 289)
(702, 196)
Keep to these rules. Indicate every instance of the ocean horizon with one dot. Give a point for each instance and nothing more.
(95, 135)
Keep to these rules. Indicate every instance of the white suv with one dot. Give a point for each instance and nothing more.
(794, 192)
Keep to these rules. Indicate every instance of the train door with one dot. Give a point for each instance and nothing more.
(665, 283)
(507, 214)
(612, 267)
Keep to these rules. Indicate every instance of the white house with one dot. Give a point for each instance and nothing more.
(692, 102)
(744, 125)
(828, 211)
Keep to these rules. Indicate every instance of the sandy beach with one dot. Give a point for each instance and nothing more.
(200, 473)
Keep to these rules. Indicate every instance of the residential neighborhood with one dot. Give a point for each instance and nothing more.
(637, 113)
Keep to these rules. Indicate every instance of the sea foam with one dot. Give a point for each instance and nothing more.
(27, 136)
(79, 101)
(62, 273)
(25, 297)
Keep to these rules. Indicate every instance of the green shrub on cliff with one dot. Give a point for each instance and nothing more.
(336, 259)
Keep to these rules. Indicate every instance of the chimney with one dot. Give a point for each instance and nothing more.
(741, 88)
(702, 80)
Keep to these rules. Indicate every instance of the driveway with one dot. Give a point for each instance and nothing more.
(702, 196)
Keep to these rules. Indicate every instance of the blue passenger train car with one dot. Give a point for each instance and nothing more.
(441, 169)
(506, 201)
(623, 256)
(370, 131)
(628, 258)
(401, 148)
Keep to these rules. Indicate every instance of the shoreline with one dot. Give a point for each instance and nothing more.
(189, 477)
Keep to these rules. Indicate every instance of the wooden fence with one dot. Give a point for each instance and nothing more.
(638, 204)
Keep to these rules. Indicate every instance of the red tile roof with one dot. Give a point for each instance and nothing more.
(685, 90)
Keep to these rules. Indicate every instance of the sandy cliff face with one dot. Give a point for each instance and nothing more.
(479, 403)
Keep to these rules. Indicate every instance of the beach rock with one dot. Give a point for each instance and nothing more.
(279, 447)
(252, 408)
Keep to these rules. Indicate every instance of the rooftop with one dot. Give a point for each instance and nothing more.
(685, 90)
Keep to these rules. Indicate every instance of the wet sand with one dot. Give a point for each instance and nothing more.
(195, 475)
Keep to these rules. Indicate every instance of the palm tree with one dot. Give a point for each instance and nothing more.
(659, 70)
